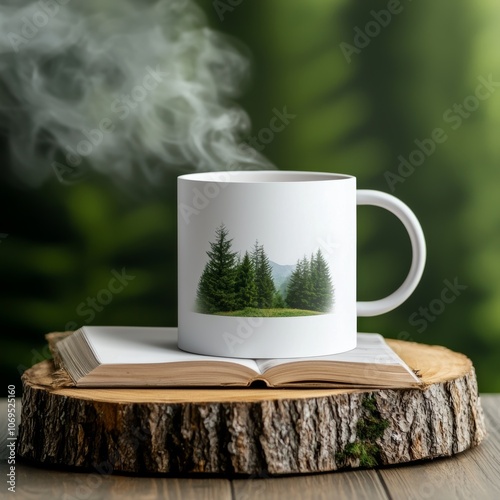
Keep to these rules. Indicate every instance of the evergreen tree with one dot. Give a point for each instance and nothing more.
(309, 291)
(278, 301)
(295, 297)
(263, 277)
(310, 285)
(216, 288)
(246, 289)
(323, 289)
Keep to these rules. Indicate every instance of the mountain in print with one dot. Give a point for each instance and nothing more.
(250, 284)
(281, 275)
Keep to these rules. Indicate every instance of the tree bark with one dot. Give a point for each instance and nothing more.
(253, 431)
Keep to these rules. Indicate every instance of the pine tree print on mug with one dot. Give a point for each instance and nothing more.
(249, 284)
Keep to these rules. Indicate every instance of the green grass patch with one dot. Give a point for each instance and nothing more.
(370, 428)
(268, 313)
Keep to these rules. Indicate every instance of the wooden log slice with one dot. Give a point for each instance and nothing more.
(253, 431)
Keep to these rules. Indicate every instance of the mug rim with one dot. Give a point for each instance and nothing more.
(264, 176)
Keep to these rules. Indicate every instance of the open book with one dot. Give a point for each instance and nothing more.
(96, 356)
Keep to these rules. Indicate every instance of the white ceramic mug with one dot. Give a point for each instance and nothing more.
(267, 262)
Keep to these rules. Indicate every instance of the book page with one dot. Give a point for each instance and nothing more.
(144, 345)
(371, 349)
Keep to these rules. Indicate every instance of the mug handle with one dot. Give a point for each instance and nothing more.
(408, 218)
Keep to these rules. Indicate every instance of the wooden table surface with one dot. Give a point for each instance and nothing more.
(473, 474)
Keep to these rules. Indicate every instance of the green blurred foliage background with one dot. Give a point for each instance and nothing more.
(353, 117)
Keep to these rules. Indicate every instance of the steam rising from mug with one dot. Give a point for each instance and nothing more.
(119, 86)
